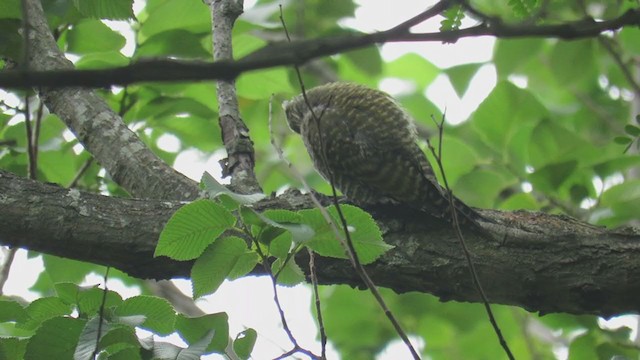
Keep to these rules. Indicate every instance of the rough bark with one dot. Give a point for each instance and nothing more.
(100, 130)
(240, 160)
(540, 262)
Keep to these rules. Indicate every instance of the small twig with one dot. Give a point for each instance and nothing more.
(10, 254)
(435, 10)
(80, 173)
(285, 325)
(31, 170)
(467, 254)
(523, 322)
(265, 264)
(123, 106)
(296, 350)
(101, 314)
(355, 262)
(617, 58)
(316, 295)
(36, 132)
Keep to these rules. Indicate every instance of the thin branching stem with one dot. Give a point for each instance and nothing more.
(467, 254)
(316, 295)
(6, 267)
(283, 319)
(101, 314)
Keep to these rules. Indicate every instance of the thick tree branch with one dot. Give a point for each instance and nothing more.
(543, 263)
(297, 53)
(101, 131)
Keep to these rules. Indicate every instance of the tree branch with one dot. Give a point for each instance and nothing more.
(544, 263)
(240, 160)
(299, 52)
(101, 131)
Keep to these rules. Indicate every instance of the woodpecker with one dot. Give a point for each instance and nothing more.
(366, 144)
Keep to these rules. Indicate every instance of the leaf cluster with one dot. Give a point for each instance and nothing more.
(91, 323)
(228, 239)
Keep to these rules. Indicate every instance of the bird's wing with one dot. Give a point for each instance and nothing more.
(382, 155)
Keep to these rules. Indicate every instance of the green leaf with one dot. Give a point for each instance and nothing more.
(550, 177)
(188, 15)
(454, 149)
(622, 202)
(412, 67)
(504, 112)
(165, 107)
(481, 187)
(192, 228)
(87, 299)
(622, 140)
(281, 245)
(629, 38)
(60, 270)
(245, 44)
(245, 263)
(102, 60)
(368, 60)
(289, 221)
(10, 39)
(522, 8)
(364, 319)
(452, 18)
(87, 340)
(12, 348)
(461, 75)
(552, 143)
(564, 57)
(42, 309)
(56, 338)
(510, 55)
(197, 349)
(11, 310)
(257, 85)
(520, 201)
(583, 348)
(365, 234)
(215, 189)
(176, 43)
(159, 314)
(81, 39)
(615, 164)
(193, 329)
(244, 342)
(58, 166)
(106, 9)
(119, 334)
(10, 9)
(123, 352)
(281, 216)
(164, 350)
(193, 130)
(215, 264)
(632, 130)
(289, 275)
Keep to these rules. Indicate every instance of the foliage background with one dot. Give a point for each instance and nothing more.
(542, 139)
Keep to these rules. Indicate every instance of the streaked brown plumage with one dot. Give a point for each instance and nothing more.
(364, 142)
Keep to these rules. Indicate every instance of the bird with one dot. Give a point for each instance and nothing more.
(364, 143)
